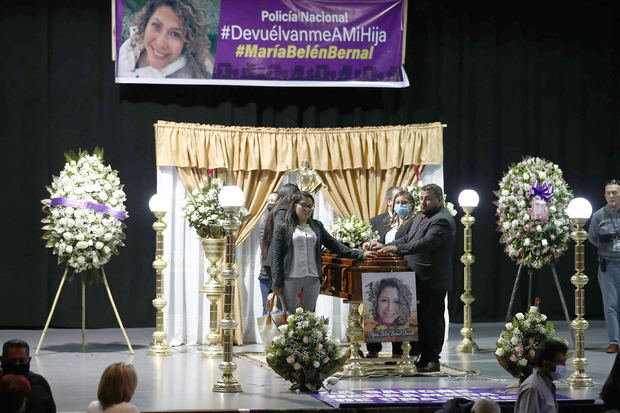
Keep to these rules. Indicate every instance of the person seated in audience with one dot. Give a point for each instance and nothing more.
(611, 389)
(16, 360)
(14, 391)
(116, 387)
(297, 253)
(381, 222)
(485, 406)
(462, 405)
(537, 392)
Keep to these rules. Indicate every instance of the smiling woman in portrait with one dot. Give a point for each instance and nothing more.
(390, 301)
(168, 39)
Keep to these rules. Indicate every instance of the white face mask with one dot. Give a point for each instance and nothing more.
(559, 373)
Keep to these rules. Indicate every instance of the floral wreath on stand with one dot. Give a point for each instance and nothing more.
(352, 231)
(517, 344)
(304, 353)
(203, 210)
(415, 190)
(85, 212)
(531, 210)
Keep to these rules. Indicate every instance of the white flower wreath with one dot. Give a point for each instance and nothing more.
(531, 210)
(352, 231)
(85, 212)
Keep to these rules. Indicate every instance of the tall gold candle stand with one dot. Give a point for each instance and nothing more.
(158, 347)
(579, 378)
(214, 250)
(354, 367)
(231, 198)
(406, 366)
(467, 345)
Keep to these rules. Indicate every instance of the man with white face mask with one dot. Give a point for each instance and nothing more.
(537, 392)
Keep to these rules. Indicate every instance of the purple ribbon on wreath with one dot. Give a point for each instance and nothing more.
(544, 191)
(89, 205)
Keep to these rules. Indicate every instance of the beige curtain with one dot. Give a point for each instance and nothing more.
(356, 164)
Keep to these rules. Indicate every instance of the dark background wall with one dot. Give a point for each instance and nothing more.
(537, 78)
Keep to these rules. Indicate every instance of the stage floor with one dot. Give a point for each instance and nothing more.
(184, 380)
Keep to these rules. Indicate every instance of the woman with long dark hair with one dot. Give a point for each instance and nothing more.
(297, 242)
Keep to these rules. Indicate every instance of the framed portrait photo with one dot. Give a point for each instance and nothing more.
(390, 309)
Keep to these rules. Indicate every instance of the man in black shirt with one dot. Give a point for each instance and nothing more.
(16, 360)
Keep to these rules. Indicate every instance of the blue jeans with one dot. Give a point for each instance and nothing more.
(265, 287)
(610, 289)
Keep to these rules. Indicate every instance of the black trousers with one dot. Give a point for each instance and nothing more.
(431, 325)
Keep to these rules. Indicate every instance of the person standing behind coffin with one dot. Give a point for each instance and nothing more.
(381, 222)
(427, 247)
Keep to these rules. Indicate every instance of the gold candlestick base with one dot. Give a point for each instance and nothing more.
(354, 367)
(406, 366)
(214, 250)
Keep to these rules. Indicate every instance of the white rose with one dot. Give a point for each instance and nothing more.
(283, 328)
(99, 245)
(81, 245)
(526, 242)
(522, 362)
(526, 176)
(521, 204)
(520, 316)
(346, 239)
(539, 228)
(68, 236)
(542, 175)
(69, 249)
(544, 242)
(506, 225)
(514, 341)
(80, 260)
(299, 310)
(533, 309)
(552, 209)
(499, 352)
(106, 250)
(316, 364)
(526, 217)
(348, 226)
(70, 222)
(515, 223)
(107, 237)
(505, 192)
(543, 317)
(296, 366)
(509, 326)
(79, 236)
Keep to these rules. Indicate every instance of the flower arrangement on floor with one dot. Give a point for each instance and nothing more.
(83, 223)
(352, 231)
(517, 344)
(415, 190)
(531, 210)
(203, 210)
(303, 353)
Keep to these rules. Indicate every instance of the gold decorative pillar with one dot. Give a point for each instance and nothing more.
(468, 200)
(579, 210)
(406, 365)
(231, 198)
(158, 347)
(214, 250)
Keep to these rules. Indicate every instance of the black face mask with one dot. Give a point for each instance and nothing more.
(270, 206)
(10, 367)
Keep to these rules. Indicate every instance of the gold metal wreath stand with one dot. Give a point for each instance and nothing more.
(107, 287)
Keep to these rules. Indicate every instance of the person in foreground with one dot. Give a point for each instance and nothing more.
(16, 360)
(427, 247)
(14, 391)
(297, 253)
(537, 392)
(168, 40)
(116, 387)
(611, 389)
(604, 234)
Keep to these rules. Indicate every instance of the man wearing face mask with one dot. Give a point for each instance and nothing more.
(16, 360)
(537, 392)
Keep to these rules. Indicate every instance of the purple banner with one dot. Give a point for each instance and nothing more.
(89, 205)
(263, 43)
(358, 397)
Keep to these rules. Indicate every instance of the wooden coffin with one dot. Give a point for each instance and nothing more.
(342, 277)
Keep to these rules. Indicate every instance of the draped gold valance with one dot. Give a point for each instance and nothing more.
(281, 149)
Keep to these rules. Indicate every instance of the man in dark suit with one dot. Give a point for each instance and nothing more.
(381, 221)
(427, 247)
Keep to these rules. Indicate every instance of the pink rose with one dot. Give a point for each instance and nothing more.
(290, 359)
(531, 340)
(526, 227)
(532, 354)
(513, 358)
(519, 347)
(552, 237)
(326, 360)
(319, 347)
(518, 235)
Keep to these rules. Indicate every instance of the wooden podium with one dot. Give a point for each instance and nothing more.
(342, 277)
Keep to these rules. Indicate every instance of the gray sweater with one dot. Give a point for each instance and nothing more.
(604, 228)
